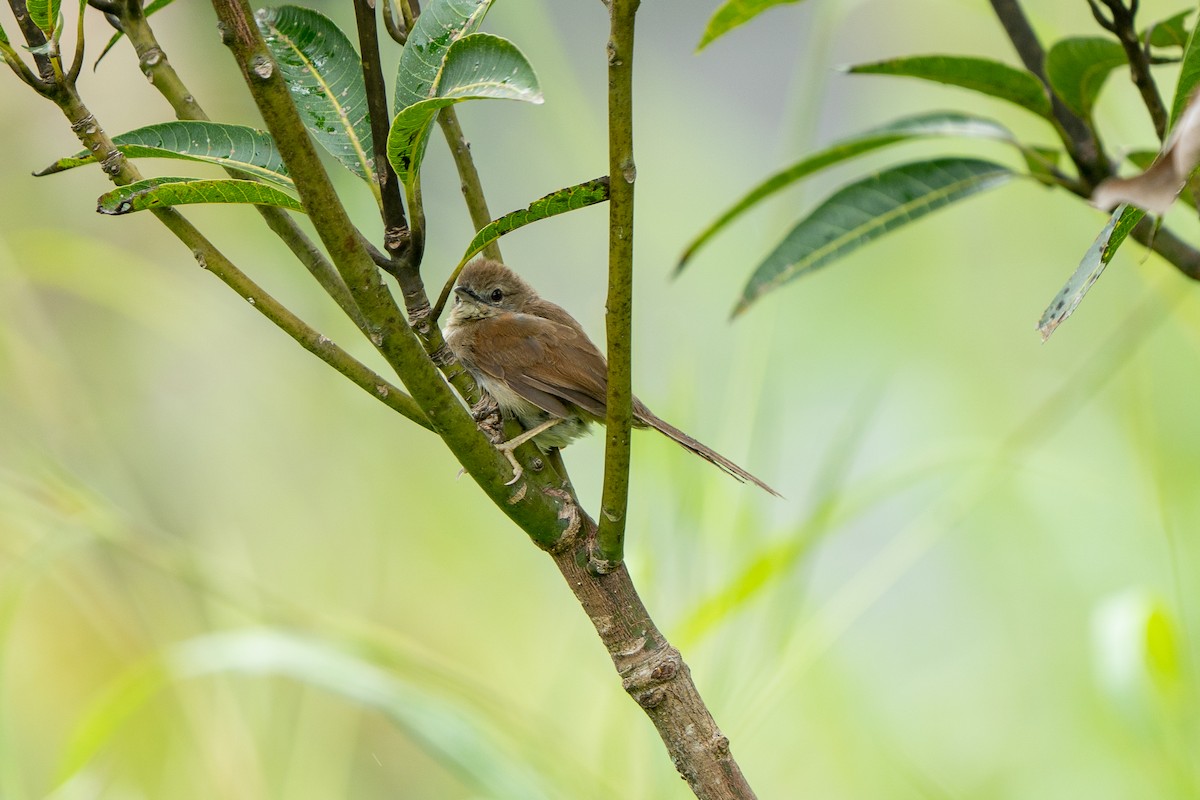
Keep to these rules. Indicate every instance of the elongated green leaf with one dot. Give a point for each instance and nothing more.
(153, 7)
(476, 66)
(1170, 32)
(977, 74)
(1189, 76)
(1119, 226)
(866, 210)
(441, 24)
(234, 146)
(44, 14)
(940, 123)
(733, 13)
(324, 74)
(1077, 69)
(571, 198)
(159, 192)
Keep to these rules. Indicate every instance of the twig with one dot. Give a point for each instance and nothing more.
(1081, 142)
(1121, 24)
(610, 539)
(468, 176)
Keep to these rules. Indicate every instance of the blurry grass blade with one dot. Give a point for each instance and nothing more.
(44, 14)
(159, 192)
(1189, 77)
(324, 74)
(477, 66)
(733, 13)
(866, 210)
(153, 7)
(1137, 653)
(1078, 67)
(440, 25)
(1170, 32)
(462, 742)
(977, 74)
(571, 198)
(1120, 223)
(940, 123)
(233, 146)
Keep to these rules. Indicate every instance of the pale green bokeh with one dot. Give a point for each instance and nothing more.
(225, 572)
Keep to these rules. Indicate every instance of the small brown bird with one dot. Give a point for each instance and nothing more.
(535, 360)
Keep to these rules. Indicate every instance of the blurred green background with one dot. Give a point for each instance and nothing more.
(225, 572)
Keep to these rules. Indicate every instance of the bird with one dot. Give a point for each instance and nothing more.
(538, 364)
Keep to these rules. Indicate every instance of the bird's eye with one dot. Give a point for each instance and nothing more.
(497, 295)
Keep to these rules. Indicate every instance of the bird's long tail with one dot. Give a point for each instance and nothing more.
(702, 450)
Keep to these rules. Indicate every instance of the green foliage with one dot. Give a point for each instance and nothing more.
(1170, 32)
(44, 14)
(981, 75)
(441, 24)
(902, 130)
(1077, 69)
(324, 73)
(233, 146)
(1189, 77)
(733, 13)
(866, 210)
(170, 191)
(476, 66)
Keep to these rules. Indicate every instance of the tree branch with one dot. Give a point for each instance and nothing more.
(468, 176)
(1081, 142)
(610, 539)
(1121, 25)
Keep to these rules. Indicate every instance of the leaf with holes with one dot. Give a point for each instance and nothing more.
(160, 192)
(1119, 226)
(234, 146)
(1077, 69)
(977, 74)
(324, 74)
(940, 123)
(866, 210)
(477, 66)
(733, 13)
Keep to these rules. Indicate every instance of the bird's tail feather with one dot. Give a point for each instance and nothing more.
(702, 450)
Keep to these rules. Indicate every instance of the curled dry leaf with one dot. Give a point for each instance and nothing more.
(1156, 188)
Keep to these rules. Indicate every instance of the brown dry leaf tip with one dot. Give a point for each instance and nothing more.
(1156, 189)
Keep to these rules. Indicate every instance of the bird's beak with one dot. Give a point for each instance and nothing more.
(463, 293)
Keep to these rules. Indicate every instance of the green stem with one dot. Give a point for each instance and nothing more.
(468, 175)
(610, 539)
(537, 512)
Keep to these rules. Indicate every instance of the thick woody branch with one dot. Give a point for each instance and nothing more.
(610, 539)
(1120, 23)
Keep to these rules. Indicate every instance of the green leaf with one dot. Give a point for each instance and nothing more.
(159, 192)
(153, 7)
(324, 74)
(441, 24)
(866, 210)
(733, 13)
(1139, 657)
(921, 125)
(571, 198)
(1189, 77)
(1170, 32)
(977, 74)
(44, 14)
(476, 66)
(1041, 163)
(233, 146)
(1119, 226)
(1077, 69)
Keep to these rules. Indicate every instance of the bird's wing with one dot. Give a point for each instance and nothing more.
(546, 362)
